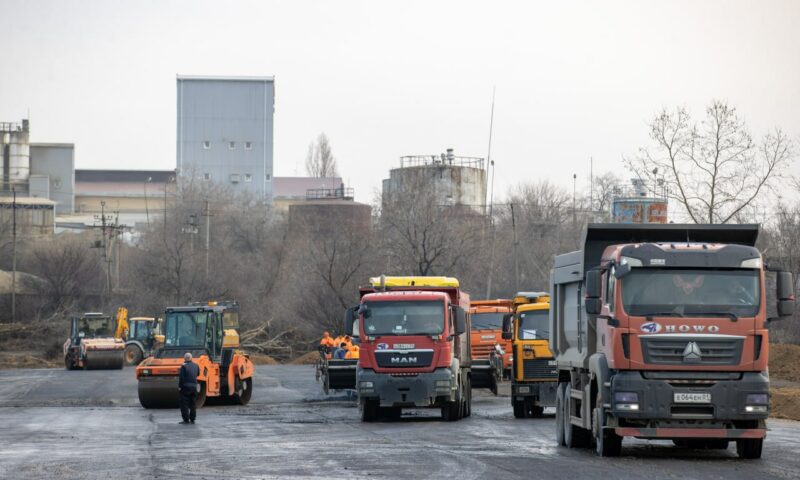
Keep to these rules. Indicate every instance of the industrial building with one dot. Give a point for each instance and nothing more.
(328, 212)
(455, 180)
(640, 203)
(225, 131)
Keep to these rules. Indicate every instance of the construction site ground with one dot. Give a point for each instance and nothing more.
(88, 424)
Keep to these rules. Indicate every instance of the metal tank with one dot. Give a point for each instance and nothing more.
(19, 158)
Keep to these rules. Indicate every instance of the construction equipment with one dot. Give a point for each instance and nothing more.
(415, 347)
(535, 377)
(491, 354)
(339, 373)
(142, 339)
(226, 373)
(660, 331)
(91, 344)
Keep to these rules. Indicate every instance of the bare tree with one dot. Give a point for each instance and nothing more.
(604, 186)
(712, 169)
(320, 161)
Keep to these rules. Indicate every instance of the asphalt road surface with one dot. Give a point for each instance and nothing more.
(56, 423)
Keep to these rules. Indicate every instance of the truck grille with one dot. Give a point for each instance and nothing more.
(670, 350)
(539, 368)
(481, 351)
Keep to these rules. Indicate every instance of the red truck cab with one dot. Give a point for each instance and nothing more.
(414, 334)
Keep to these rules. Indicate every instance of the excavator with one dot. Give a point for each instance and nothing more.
(226, 373)
(91, 344)
(140, 334)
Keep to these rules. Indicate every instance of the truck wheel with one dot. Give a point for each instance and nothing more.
(607, 442)
(574, 436)
(69, 364)
(559, 415)
(242, 397)
(749, 448)
(133, 355)
(519, 409)
(451, 411)
(326, 382)
(369, 410)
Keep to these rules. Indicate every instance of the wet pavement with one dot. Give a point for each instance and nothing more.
(56, 423)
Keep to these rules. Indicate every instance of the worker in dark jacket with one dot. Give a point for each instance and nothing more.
(187, 386)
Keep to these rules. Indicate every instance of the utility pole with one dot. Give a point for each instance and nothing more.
(14, 256)
(516, 257)
(207, 214)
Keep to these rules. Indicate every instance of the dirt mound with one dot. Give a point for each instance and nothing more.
(783, 361)
(786, 403)
(26, 360)
(308, 359)
(261, 359)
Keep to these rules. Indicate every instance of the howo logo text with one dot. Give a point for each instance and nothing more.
(691, 328)
(404, 359)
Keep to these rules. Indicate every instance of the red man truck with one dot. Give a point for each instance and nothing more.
(660, 331)
(415, 347)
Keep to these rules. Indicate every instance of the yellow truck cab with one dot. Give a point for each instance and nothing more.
(535, 376)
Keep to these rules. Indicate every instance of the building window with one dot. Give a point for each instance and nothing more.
(56, 183)
(206, 144)
(248, 177)
(248, 145)
(269, 176)
(235, 178)
(231, 145)
(206, 176)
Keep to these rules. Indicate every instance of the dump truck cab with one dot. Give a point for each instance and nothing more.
(660, 331)
(197, 329)
(415, 347)
(491, 353)
(91, 343)
(535, 377)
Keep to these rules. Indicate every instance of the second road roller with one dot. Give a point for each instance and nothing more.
(226, 373)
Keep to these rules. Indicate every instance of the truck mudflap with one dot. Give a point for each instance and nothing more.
(544, 393)
(693, 433)
(408, 390)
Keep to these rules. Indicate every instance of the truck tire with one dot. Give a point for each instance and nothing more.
(369, 410)
(242, 396)
(559, 415)
(201, 395)
(607, 442)
(451, 411)
(69, 363)
(519, 408)
(749, 448)
(574, 436)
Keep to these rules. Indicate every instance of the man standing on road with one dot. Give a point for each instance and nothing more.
(187, 385)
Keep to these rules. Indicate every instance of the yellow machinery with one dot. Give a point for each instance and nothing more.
(535, 376)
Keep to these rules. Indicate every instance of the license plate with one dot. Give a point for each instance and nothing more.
(692, 397)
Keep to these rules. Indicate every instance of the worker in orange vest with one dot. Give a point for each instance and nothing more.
(352, 353)
(327, 341)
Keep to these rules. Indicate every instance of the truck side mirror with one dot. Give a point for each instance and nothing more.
(785, 293)
(594, 284)
(349, 317)
(594, 289)
(363, 310)
(461, 321)
(507, 333)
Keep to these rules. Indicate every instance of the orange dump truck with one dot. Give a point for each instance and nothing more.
(489, 364)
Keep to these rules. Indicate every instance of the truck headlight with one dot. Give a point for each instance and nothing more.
(524, 389)
(442, 384)
(146, 371)
(756, 403)
(627, 401)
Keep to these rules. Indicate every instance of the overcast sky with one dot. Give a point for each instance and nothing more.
(385, 79)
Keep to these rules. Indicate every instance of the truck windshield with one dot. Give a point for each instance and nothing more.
(487, 321)
(534, 325)
(185, 329)
(683, 292)
(404, 318)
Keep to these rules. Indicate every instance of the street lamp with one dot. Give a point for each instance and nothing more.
(146, 209)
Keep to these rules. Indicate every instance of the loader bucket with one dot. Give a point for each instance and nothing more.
(342, 374)
(104, 359)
